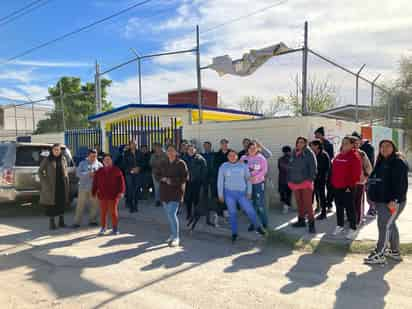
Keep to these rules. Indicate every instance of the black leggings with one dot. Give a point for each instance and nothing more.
(344, 200)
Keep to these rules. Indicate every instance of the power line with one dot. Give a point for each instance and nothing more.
(64, 36)
(20, 10)
(278, 3)
(24, 12)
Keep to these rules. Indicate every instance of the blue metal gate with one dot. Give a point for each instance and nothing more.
(80, 141)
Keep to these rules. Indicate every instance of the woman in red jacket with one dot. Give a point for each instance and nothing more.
(346, 173)
(108, 185)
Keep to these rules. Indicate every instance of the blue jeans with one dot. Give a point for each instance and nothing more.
(133, 185)
(258, 198)
(171, 213)
(232, 198)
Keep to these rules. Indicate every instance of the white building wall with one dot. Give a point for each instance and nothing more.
(24, 117)
(273, 133)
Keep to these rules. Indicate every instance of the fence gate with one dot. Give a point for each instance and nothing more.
(144, 130)
(80, 140)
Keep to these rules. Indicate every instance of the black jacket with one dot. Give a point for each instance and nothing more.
(328, 147)
(197, 168)
(210, 162)
(370, 151)
(131, 160)
(220, 158)
(324, 166)
(389, 181)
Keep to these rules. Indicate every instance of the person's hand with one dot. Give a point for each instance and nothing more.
(221, 199)
(252, 178)
(392, 207)
(91, 174)
(135, 170)
(249, 196)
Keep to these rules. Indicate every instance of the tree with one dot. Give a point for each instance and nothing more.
(77, 103)
(277, 105)
(252, 104)
(321, 95)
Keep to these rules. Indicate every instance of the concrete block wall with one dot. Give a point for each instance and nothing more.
(273, 133)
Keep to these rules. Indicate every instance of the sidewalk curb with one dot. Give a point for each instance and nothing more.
(275, 237)
(324, 246)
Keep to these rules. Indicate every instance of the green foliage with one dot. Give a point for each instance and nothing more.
(77, 103)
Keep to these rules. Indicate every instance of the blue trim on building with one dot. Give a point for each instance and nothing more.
(175, 106)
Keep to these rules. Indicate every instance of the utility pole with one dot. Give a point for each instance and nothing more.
(62, 104)
(139, 72)
(373, 97)
(357, 93)
(305, 71)
(15, 120)
(32, 116)
(98, 90)
(199, 76)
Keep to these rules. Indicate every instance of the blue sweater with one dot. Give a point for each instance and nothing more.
(83, 170)
(234, 177)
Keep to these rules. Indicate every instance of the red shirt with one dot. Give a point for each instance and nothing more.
(346, 169)
(108, 183)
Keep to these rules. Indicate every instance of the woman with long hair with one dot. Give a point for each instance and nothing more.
(346, 173)
(234, 187)
(387, 188)
(54, 179)
(301, 176)
(258, 168)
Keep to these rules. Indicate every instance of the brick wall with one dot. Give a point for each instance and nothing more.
(209, 98)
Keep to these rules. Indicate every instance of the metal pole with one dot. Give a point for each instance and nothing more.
(357, 93)
(373, 97)
(305, 71)
(97, 86)
(62, 104)
(139, 68)
(32, 115)
(15, 119)
(199, 76)
(139, 72)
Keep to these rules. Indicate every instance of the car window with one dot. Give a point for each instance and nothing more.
(29, 155)
(3, 154)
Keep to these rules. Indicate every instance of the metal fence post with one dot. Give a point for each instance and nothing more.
(357, 93)
(98, 90)
(373, 97)
(199, 76)
(305, 71)
(62, 104)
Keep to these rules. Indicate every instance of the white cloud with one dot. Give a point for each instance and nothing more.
(51, 64)
(351, 32)
(23, 76)
(34, 91)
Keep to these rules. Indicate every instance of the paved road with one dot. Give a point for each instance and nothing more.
(137, 270)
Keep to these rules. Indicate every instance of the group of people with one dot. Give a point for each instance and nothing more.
(224, 181)
(312, 172)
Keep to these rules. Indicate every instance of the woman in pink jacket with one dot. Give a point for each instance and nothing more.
(258, 168)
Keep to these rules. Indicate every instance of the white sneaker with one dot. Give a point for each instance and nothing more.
(351, 235)
(285, 209)
(174, 243)
(216, 220)
(338, 230)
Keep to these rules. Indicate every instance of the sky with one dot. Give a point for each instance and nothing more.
(352, 32)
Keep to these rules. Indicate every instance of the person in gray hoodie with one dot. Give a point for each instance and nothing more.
(301, 176)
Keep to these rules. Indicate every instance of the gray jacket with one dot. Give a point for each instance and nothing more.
(302, 167)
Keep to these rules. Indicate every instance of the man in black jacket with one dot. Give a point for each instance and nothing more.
(220, 158)
(197, 168)
(328, 147)
(133, 164)
(323, 170)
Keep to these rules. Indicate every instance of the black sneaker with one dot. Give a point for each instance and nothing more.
(371, 213)
(301, 223)
(234, 238)
(393, 255)
(261, 231)
(158, 204)
(375, 258)
(75, 226)
(251, 228)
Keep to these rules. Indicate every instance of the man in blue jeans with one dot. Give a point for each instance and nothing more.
(173, 175)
